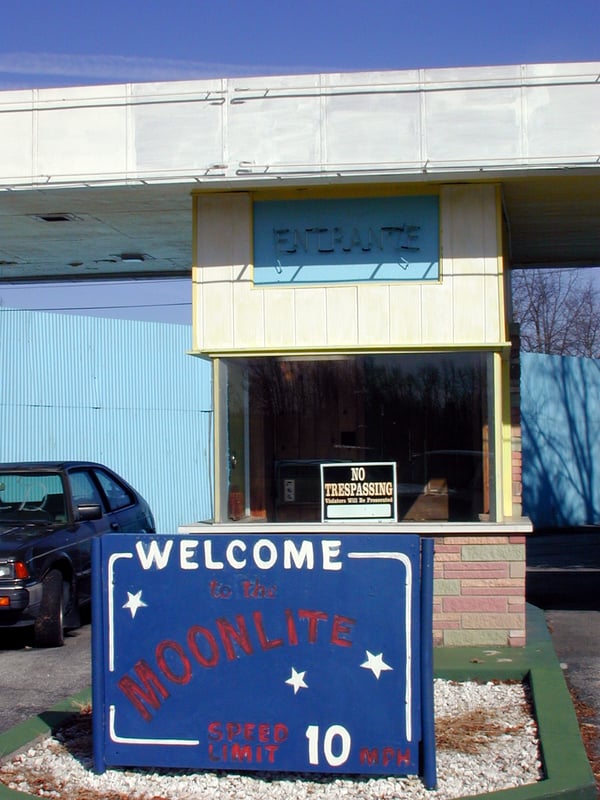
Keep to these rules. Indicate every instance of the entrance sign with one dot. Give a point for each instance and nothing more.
(262, 652)
(359, 492)
(369, 239)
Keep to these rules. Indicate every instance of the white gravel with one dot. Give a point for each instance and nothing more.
(493, 719)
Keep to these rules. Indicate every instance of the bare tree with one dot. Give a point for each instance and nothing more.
(558, 311)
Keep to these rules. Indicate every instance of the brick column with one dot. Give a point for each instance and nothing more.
(479, 590)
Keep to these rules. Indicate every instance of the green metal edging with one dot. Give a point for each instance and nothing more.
(568, 772)
(27, 733)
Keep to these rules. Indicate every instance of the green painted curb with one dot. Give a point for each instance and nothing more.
(568, 772)
(27, 733)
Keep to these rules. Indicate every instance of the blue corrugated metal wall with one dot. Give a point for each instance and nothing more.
(560, 420)
(120, 392)
(126, 394)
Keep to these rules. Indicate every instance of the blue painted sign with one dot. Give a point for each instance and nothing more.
(380, 239)
(260, 652)
(359, 492)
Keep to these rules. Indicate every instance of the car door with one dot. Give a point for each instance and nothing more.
(85, 491)
(126, 514)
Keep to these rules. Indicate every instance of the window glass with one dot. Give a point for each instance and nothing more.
(425, 412)
(84, 489)
(32, 495)
(118, 496)
(28, 488)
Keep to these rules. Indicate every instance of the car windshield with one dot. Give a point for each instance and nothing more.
(32, 496)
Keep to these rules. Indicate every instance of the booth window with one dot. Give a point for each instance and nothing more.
(428, 413)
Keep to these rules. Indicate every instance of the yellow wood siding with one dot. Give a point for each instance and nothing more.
(464, 308)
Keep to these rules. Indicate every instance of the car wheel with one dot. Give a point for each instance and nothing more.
(48, 628)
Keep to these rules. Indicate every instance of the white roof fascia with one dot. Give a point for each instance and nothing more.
(415, 125)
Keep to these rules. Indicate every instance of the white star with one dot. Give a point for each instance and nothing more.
(297, 680)
(134, 601)
(376, 664)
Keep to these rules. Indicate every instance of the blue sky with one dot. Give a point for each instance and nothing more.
(68, 42)
(74, 42)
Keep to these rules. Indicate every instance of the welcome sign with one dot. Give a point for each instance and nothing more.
(346, 240)
(262, 652)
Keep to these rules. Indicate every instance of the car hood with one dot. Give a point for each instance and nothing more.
(13, 533)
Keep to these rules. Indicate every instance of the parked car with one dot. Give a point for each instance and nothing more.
(49, 514)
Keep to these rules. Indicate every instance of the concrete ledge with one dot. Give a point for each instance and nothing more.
(569, 775)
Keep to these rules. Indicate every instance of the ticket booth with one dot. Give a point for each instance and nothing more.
(366, 324)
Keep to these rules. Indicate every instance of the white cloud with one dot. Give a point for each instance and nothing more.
(27, 70)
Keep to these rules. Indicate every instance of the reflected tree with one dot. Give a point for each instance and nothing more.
(558, 311)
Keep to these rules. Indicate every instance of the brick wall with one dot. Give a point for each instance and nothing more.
(479, 580)
(479, 590)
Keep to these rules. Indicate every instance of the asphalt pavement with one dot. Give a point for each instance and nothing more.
(33, 680)
(576, 639)
(563, 578)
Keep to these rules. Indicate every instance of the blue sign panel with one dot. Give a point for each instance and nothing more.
(346, 240)
(258, 652)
